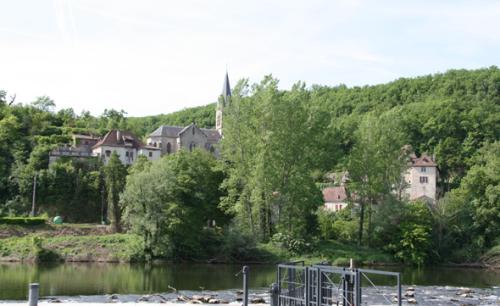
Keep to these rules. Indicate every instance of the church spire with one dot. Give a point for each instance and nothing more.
(223, 101)
(226, 89)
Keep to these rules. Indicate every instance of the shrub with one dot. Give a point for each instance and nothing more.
(23, 220)
(293, 245)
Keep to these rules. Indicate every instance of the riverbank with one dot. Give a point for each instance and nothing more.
(128, 248)
(95, 243)
(90, 248)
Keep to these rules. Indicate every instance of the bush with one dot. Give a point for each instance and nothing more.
(345, 231)
(293, 245)
(23, 220)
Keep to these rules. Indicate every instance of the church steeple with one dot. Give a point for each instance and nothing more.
(226, 90)
(224, 100)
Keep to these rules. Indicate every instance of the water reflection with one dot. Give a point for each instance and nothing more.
(94, 279)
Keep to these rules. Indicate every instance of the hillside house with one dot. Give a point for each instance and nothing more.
(126, 145)
(335, 198)
(421, 178)
(81, 148)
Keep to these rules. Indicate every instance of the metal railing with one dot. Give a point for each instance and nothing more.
(321, 285)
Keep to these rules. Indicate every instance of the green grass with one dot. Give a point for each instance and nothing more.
(334, 252)
(115, 247)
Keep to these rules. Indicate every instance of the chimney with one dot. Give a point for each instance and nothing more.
(118, 136)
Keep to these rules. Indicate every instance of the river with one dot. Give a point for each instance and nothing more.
(91, 279)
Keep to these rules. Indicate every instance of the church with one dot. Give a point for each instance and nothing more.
(170, 139)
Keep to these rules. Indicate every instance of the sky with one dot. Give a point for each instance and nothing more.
(150, 57)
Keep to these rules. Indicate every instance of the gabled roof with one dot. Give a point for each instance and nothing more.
(118, 138)
(422, 161)
(212, 135)
(334, 194)
(175, 131)
(193, 125)
(167, 131)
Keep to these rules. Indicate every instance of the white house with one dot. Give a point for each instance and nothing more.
(421, 178)
(335, 198)
(126, 145)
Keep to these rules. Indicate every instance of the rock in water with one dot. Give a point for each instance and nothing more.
(257, 300)
(410, 294)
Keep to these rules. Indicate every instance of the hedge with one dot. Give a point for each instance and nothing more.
(23, 220)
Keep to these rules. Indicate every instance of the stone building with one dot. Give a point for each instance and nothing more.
(126, 145)
(421, 178)
(80, 148)
(170, 139)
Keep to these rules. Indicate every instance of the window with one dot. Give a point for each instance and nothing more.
(126, 154)
(423, 169)
(424, 179)
(132, 155)
(108, 153)
(150, 154)
(169, 147)
(193, 130)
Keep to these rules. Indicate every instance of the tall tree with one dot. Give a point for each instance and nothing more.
(115, 176)
(376, 164)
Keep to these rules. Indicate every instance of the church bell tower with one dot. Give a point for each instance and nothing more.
(223, 101)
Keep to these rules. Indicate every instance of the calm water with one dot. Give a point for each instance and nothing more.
(97, 279)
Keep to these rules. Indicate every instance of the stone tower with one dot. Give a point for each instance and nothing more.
(223, 101)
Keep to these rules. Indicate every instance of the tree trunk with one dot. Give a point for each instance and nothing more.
(370, 223)
(361, 221)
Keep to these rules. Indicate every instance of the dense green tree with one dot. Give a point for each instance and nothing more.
(115, 174)
(375, 165)
(268, 144)
(171, 203)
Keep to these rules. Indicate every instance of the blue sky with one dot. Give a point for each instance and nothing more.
(150, 57)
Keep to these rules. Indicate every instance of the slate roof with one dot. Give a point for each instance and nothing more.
(212, 135)
(422, 161)
(334, 194)
(167, 131)
(175, 131)
(226, 88)
(118, 138)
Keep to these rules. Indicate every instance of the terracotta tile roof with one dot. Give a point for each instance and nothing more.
(117, 138)
(422, 161)
(334, 194)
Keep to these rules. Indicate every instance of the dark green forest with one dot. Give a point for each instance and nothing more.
(278, 147)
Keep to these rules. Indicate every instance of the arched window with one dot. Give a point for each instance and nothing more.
(169, 148)
(192, 146)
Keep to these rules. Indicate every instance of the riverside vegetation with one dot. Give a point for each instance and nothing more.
(261, 200)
